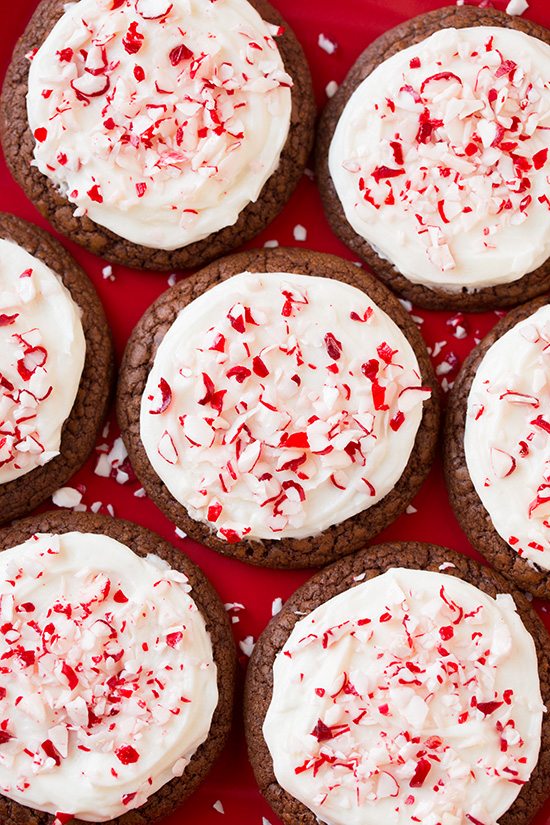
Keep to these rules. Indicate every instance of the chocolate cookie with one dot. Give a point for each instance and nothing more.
(389, 44)
(337, 540)
(18, 143)
(338, 578)
(144, 542)
(472, 515)
(80, 429)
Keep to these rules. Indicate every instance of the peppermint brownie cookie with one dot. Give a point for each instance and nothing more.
(157, 134)
(56, 366)
(117, 677)
(433, 159)
(404, 684)
(498, 447)
(279, 406)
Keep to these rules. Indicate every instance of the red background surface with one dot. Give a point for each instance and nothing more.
(352, 25)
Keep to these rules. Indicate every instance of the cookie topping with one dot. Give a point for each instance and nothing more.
(440, 158)
(42, 349)
(107, 681)
(413, 697)
(507, 436)
(280, 404)
(160, 127)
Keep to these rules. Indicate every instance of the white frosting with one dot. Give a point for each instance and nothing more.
(43, 349)
(160, 128)
(413, 697)
(279, 404)
(507, 436)
(447, 176)
(114, 665)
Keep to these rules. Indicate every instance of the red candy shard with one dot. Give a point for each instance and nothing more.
(385, 172)
(333, 346)
(166, 397)
(439, 76)
(127, 754)
(179, 54)
(298, 440)
(94, 194)
(51, 751)
(119, 597)
(133, 39)
(488, 707)
(69, 675)
(231, 536)
(8, 320)
(423, 767)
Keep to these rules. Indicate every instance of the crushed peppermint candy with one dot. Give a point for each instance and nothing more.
(413, 689)
(326, 44)
(276, 606)
(67, 497)
(113, 462)
(285, 398)
(517, 7)
(300, 233)
(247, 645)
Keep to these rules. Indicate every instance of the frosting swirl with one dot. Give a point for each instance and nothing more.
(108, 683)
(43, 350)
(159, 120)
(413, 697)
(279, 404)
(440, 158)
(507, 436)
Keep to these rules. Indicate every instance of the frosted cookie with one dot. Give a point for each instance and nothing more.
(158, 135)
(498, 446)
(56, 366)
(433, 159)
(279, 406)
(400, 685)
(117, 678)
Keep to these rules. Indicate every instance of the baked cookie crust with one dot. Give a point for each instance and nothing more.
(142, 542)
(80, 430)
(399, 38)
(340, 577)
(18, 145)
(338, 540)
(469, 510)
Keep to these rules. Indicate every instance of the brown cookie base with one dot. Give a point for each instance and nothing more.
(80, 430)
(138, 360)
(18, 145)
(470, 512)
(340, 577)
(142, 542)
(401, 37)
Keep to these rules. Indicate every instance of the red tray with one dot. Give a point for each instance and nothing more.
(351, 25)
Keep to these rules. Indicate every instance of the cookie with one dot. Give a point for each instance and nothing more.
(496, 443)
(121, 579)
(431, 164)
(364, 776)
(56, 367)
(279, 406)
(182, 152)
